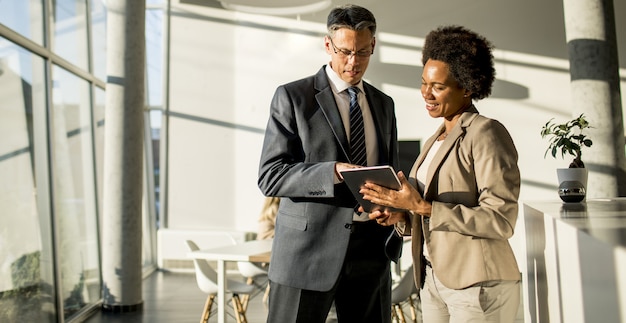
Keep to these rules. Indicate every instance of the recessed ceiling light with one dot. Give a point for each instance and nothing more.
(276, 7)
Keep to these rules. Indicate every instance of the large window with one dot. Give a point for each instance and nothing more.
(98, 119)
(70, 31)
(154, 82)
(74, 191)
(98, 38)
(24, 17)
(52, 133)
(27, 288)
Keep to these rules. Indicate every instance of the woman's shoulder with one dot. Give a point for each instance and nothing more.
(480, 122)
(488, 133)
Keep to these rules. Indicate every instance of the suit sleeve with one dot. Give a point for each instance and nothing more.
(287, 167)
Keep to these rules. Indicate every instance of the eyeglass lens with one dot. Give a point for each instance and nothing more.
(347, 53)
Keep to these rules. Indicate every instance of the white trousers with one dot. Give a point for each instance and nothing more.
(490, 301)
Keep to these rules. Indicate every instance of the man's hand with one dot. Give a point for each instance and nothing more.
(341, 166)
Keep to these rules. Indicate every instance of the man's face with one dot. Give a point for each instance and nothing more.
(350, 53)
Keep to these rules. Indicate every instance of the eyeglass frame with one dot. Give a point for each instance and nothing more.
(347, 53)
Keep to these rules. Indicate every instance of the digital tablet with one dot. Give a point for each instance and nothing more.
(381, 175)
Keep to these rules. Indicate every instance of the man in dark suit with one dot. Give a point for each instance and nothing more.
(324, 251)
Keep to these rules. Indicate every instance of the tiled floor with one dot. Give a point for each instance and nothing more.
(175, 298)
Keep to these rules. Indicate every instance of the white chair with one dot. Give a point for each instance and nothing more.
(403, 293)
(206, 278)
(255, 276)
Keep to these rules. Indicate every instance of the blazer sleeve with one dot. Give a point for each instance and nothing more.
(489, 167)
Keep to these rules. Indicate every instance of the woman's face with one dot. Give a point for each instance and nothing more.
(442, 94)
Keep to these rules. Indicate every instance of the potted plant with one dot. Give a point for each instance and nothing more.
(568, 139)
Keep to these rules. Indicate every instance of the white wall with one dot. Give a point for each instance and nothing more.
(225, 67)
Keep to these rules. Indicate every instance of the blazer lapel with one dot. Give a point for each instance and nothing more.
(326, 101)
(446, 147)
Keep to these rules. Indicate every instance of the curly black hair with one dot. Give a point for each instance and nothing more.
(468, 56)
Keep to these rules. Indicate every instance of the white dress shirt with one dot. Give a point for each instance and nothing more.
(342, 99)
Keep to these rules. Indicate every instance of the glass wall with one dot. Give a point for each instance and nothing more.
(98, 38)
(52, 132)
(24, 17)
(154, 73)
(27, 285)
(74, 197)
(70, 31)
(98, 121)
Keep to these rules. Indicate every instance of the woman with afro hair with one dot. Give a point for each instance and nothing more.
(461, 197)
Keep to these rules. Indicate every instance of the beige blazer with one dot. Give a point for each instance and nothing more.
(473, 183)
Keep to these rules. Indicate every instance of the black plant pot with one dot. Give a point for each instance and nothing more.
(572, 191)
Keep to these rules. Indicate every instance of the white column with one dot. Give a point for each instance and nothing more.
(594, 70)
(123, 156)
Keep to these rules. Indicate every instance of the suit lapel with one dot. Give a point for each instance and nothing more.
(326, 101)
(376, 108)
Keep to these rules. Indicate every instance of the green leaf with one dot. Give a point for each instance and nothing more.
(568, 138)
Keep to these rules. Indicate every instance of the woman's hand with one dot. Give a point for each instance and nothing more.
(385, 217)
(407, 198)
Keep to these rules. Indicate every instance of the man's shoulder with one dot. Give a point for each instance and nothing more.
(305, 81)
(372, 89)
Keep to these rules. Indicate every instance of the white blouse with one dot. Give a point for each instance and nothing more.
(421, 178)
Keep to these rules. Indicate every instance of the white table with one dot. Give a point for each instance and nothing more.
(576, 261)
(254, 251)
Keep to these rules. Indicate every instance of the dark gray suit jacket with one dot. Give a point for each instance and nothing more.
(304, 138)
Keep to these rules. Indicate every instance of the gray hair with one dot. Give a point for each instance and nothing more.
(352, 17)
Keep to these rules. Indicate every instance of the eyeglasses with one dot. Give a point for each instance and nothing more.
(347, 53)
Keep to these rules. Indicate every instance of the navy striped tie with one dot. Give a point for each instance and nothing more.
(357, 130)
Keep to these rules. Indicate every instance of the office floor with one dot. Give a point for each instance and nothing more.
(175, 297)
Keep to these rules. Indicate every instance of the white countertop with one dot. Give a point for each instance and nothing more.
(603, 219)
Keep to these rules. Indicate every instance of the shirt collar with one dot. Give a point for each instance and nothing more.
(337, 84)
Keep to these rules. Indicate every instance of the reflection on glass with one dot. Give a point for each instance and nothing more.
(23, 16)
(98, 38)
(154, 57)
(98, 116)
(70, 31)
(155, 133)
(26, 271)
(74, 192)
